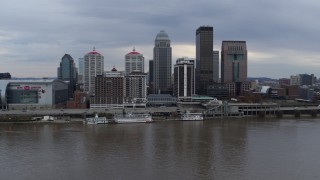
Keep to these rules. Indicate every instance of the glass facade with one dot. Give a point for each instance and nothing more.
(162, 64)
(68, 72)
(204, 56)
(22, 97)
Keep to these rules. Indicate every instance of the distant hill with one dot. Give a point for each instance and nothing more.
(260, 79)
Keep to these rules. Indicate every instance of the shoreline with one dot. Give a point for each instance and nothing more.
(70, 120)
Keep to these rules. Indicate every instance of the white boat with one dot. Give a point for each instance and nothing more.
(96, 120)
(191, 116)
(132, 118)
(47, 118)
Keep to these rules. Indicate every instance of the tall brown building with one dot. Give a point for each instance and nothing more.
(284, 81)
(233, 61)
(234, 67)
(109, 90)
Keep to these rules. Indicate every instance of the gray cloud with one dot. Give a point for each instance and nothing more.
(42, 31)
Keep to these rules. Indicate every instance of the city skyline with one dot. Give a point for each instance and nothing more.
(278, 34)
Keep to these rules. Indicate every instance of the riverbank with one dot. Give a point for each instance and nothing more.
(30, 119)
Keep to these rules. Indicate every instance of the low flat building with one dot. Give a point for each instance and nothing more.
(218, 91)
(292, 91)
(237, 88)
(33, 94)
(80, 100)
(161, 100)
(284, 81)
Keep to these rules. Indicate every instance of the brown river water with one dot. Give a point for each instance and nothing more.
(214, 149)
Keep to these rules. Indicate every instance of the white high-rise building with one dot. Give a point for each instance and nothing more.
(162, 64)
(135, 86)
(134, 61)
(184, 78)
(93, 66)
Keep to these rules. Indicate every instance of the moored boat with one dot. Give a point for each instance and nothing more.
(96, 120)
(133, 118)
(191, 116)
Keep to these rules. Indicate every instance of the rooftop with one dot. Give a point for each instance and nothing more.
(134, 51)
(162, 35)
(94, 51)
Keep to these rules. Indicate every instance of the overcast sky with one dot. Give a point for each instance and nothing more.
(282, 36)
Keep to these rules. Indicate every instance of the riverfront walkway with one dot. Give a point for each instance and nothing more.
(67, 112)
(55, 112)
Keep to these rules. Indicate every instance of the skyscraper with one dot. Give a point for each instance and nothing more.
(134, 61)
(93, 66)
(135, 86)
(80, 73)
(162, 64)
(233, 61)
(68, 72)
(204, 57)
(114, 88)
(150, 83)
(216, 66)
(184, 78)
(234, 67)
(109, 90)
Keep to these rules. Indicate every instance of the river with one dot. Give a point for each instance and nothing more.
(212, 149)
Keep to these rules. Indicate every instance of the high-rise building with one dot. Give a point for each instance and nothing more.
(150, 83)
(162, 64)
(80, 70)
(93, 66)
(135, 86)
(204, 57)
(184, 73)
(115, 88)
(68, 72)
(233, 61)
(216, 66)
(307, 79)
(99, 100)
(234, 67)
(109, 90)
(134, 61)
